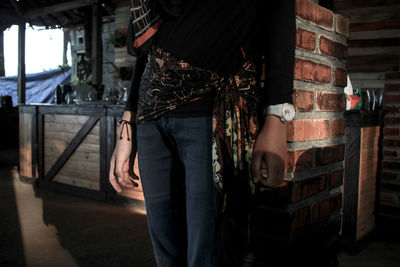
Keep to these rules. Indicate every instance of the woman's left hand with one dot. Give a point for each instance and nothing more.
(270, 147)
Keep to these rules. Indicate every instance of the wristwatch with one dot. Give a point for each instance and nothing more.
(284, 111)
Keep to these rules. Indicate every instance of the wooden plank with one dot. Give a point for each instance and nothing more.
(367, 76)
(71, 148)
(76, 182)
(67, 127)
(76, 119)
(342, 5)
(103, 154)
(21, 64)
(79, 165)
(83, 174)
(83, 147)
(77, 155)
(380, 34)
(386, 42)
(376, 25)
(34, 146)
(90, 138)
(110, 192)
(370, 84)
(41, 163)
(81, 110)
(25, 144)
(372, 63)
(373, 13)
(350, 184)
(365, 51)
(367, 174)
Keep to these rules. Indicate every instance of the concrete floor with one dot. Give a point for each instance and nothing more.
(55, 229)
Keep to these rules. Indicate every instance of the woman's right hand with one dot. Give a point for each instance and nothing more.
(121, 166)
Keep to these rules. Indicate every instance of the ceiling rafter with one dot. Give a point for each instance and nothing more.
(42, 11)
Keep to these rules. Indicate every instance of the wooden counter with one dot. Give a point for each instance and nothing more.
(69, 147)
(363, 134)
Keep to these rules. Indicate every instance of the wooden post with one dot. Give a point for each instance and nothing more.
(65, 49)
(2, 69)
(96, 53)
(21, 64)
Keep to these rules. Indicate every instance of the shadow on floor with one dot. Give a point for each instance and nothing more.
(11, 244)
(43, 228)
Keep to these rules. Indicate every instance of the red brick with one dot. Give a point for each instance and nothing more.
(391, 142)
(332, 48)
(299, 160)
(389, 153)
(312, 71)
(393, 120)
(340, 77)
(390, 131)
(329, 154)
(305, 188)
(305, 39)
(391, 165)
(303, 100)
(336, 178)
(300, 218)
(338, 127)
(342, 25)
(392, 87)
(302, 130)
(326, 206)
(314, 13)
(389, 176)
(330, 101)
(391, 98)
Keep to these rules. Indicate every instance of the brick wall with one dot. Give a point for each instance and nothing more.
(303, 217)
(389, 209)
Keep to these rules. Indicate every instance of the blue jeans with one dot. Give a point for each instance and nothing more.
(175, 166)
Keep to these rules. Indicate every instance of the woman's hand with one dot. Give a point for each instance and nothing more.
(121, 165)
(271, 148)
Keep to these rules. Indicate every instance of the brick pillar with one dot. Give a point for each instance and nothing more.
(389, 208)
(299, 223)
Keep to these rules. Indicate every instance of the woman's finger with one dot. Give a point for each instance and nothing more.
(112, 178)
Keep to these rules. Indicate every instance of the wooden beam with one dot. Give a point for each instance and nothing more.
(66, 39)
(57, 8)
(96, 43)
(21, 64)
(2, 70)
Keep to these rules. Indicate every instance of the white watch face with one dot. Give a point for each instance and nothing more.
(288, 112)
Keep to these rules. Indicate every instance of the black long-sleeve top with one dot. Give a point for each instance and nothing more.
(219, 34)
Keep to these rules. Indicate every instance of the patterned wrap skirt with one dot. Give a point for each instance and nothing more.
(235, 128)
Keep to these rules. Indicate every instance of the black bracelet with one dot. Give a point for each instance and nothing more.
(131, 123)
(124, 123)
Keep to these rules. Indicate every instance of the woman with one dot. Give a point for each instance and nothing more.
(204, 125)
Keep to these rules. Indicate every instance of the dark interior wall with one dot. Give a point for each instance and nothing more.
(374, 63)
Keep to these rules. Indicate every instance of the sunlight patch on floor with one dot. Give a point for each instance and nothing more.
(37, 237)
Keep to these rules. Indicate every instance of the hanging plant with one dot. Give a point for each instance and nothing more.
(118, 39)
